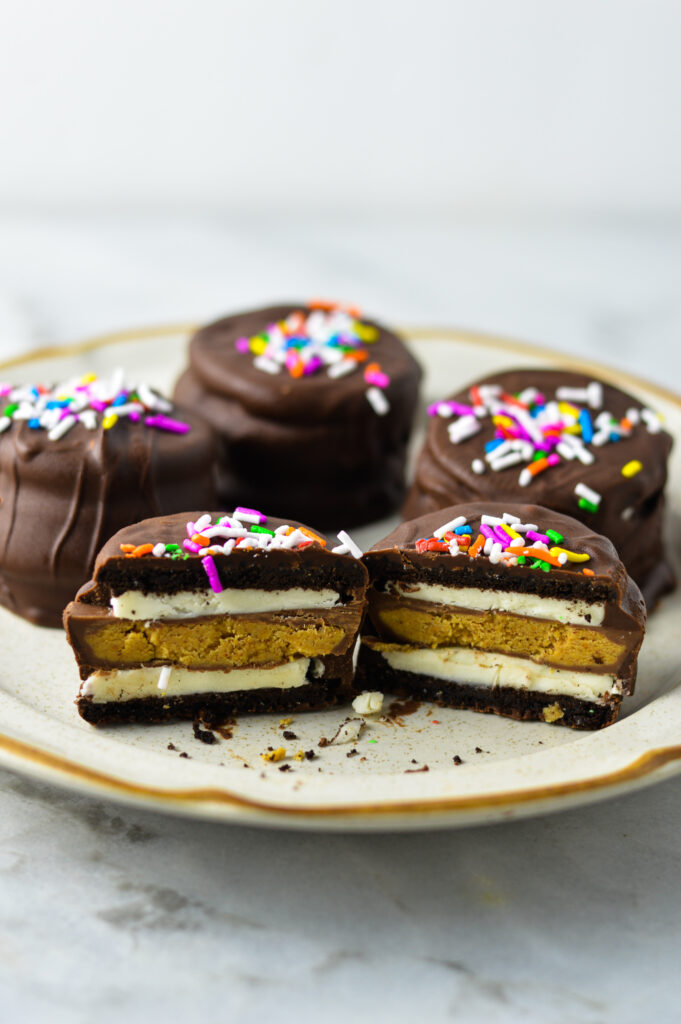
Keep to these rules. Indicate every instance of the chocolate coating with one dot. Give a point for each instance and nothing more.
(444, 476)
(59, 500)
(311, 446)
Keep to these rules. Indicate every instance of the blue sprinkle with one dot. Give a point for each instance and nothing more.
(462, 529)
(120, 399)
(34, 424)
(614, 437)
(586, 425)
(491, 445)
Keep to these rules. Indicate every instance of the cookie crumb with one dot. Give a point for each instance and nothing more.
(553, 712)
(203, 734)
(272, 756)
(285, 768)
(310, 755)
(352, 753)
(171, 746)
(456, 759)
(289, 735)
(183, 754)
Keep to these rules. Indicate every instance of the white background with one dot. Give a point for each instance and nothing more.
(359, 104)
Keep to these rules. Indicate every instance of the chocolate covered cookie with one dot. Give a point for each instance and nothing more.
(313, 405)
(559, 439)
(210, 614)
(512, 609)
(77, 462)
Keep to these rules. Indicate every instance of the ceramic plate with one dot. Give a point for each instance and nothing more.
(509, 769)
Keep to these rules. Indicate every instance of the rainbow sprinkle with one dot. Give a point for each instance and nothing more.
(537, 434)
(324, 337)
(504, 541)
(243, 529)
(89, 400)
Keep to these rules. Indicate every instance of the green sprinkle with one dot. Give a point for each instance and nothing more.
(372, 741)
(555, 536)
(521, 560)
(172, 547)
(11, 408)
(588, 505)
(538, 564)
(261, 529)
(538, 455)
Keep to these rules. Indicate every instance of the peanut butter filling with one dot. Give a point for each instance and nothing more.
(542, 640)
(217, 641)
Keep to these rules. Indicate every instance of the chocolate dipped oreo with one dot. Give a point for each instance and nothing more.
(209, 614)
(77, 462)
(313, 405)
(505, 608)
(560, 439)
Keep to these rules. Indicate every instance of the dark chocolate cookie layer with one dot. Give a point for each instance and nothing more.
(310, 447)
(60, 500)
(631, 512)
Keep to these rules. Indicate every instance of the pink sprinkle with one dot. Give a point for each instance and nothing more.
(251, 512)
(502, 535)
(381, 380)
(134, 416)
(191, 529)
(212, 574)
(97, 405)
(553, 460)
(5, 390)
(487, 531)
(312, 365)
(189, 545)
(165, 423)
(292, 358)
(532, 535)
(242, 345)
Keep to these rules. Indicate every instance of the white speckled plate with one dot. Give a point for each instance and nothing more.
(510, 769)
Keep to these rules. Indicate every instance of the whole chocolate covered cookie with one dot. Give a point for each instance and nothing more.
(513, 609)
(77, 462)
(559, 439)
(313, 406)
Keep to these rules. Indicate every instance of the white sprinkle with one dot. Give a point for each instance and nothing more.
(524, 527)
(517, 542)
(525, 478)
(62, 428)
(340, 549)
(491, 520)
(159, 550)
(582, 491)
(89, 419)
(152, 400)
(297, 537)
(565, 451)
(245, 517)
(451, 525)
(164, 678)
(5, 424)
(651, 420)
(478, 466)
(368, 703)
(511, 459)
(123, 410)
(509, 518)
(592, 394)
(528, 396)
(224, 531)
(341, 368)
(463, 428)
(495, 553)
(628, 513)
(444, 410)
(345, 539)
(601, 438)
(562, 558)
(633, 415)
(489, 544)
(377, 400)
(266, 364)
(202, 522)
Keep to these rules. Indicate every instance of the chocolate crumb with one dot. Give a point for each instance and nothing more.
(285, 768)
(353, 752)
(310, 755)
(362, 758)
(171, 746)
(289, 735)
(323, 742)
(414, 761)
(456, 759)
(183, 754)
(478, 750)
(203, 735)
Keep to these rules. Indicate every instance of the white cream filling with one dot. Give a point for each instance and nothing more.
(188, 604)
(126, 684)
(572, 612)
(486, 668)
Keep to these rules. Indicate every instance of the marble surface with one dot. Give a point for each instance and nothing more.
(107, 913)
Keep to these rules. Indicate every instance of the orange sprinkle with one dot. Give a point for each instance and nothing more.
(537, 467)
(476, 546)
(324, 304)
(626, 424)
(198, 538)
(359, 355)
(312, 536)
(372, 368)
(544, 556)
(127, 548)
(141, 549)
(588, 572)
(296, 370)
(511, 400)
